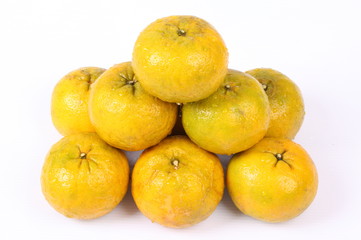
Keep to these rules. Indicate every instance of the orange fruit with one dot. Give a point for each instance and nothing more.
(83, 177)
(287, 108)
(124, 115)
(176, 183)
(69, 103)
(232, 119)
(274, 181)
(180, 59)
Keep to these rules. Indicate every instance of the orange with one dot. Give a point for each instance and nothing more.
(180, 59)
(124, 115)
(287, 107)
(176, 183)
(232, 119)
(274, 181)
(83, 177)
(69, 103)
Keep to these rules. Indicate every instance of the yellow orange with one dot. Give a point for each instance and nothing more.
(286, 102)
(180, 59)
(274, 181)
(176, 183)
(69, 103)
(124, 115)
(83, 177)
(232, 119)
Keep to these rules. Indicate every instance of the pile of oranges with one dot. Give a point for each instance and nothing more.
(178, 84)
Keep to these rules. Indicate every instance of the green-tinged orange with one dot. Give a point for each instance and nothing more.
(274, 181)
(232, 119)
(69, 103)
(124, 115)
(83, 177)
(176, 183)
(180, 59)
(287, 108)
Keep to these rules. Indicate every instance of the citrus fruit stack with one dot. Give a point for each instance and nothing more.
(178, 84)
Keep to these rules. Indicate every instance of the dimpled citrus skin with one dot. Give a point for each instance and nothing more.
(84, 186)
(177, 195)
(269, 189)
(287, 108)
(232, 119)
(69, 103)
(124, 115)
(180, 59)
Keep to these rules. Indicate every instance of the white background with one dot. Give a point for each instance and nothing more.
(315, 43)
